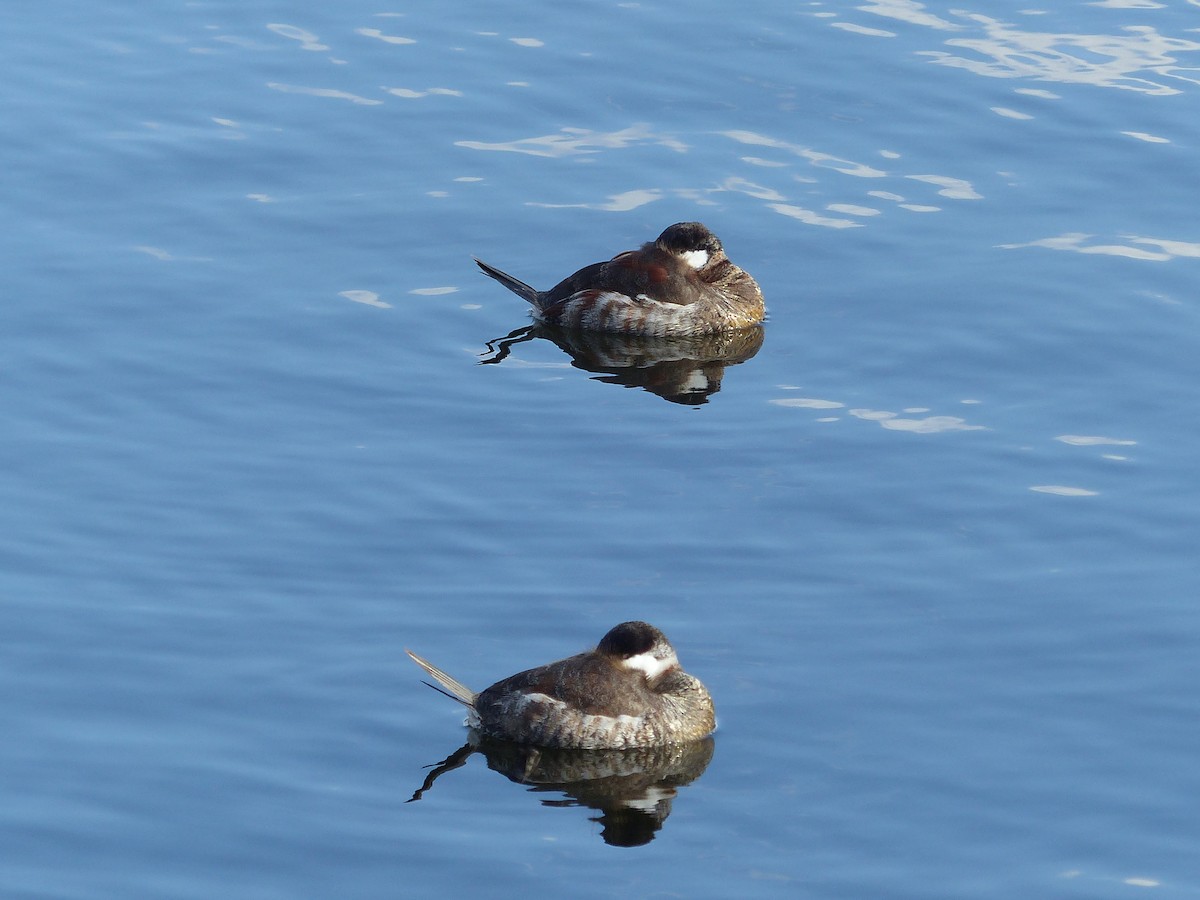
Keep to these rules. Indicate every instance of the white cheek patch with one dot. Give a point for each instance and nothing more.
(651, 665)
(697, 259)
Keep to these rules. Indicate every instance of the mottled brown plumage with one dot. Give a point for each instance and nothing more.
(628, 692)
(681, 284)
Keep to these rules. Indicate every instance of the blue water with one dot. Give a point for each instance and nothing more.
(931, 547)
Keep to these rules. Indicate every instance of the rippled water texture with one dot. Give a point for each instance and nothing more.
(929, 537)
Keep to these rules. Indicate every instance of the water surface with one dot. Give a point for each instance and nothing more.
(931, 545)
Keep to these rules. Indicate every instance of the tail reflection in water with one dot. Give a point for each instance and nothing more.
(685, 370)
(631, 789)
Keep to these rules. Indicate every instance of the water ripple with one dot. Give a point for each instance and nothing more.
(1078, 242)
(573, 141)
(1103, 60)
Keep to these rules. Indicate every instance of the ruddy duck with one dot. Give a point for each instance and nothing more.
(628, 692)
(681, 284)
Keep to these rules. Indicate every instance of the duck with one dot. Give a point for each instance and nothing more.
(628, 692)
(681, 284)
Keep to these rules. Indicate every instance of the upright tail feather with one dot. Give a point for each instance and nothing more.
(518, 287)
(454, 689)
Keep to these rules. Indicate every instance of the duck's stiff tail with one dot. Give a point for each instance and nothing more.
(454, 689)
(518, 287)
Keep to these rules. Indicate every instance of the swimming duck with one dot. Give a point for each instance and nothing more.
(678, 285)
(630, 691)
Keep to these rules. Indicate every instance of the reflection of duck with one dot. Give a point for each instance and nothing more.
(683, 370)
(632, 789)
(628, 692)
(680, 284)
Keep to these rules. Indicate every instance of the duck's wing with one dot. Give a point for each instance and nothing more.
(584, 683)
